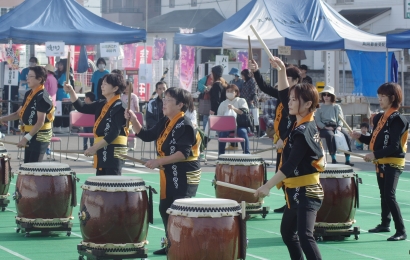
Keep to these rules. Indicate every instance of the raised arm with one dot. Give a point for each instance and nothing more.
(282, 78)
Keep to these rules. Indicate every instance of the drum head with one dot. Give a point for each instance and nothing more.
(337, 171)
(45, 169)
(114, 183)
(240, 159)
(199, 207)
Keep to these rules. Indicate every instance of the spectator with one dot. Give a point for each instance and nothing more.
(97, 75)
(249, 93)
(51, 82)
(217, 92)
(89, 98)
(269, 111)
(154, 107)
(23, 76)
(61, 124)
(134, 107)
(364, 128)
(237, 80)
(305, 78)
(204, 85)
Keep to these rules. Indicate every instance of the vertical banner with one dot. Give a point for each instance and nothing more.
(129, 55)
(143, 89)
(243, 58)
(160, 45)
(186, 63)
(13, 57)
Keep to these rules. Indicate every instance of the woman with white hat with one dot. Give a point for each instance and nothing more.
(327, 119)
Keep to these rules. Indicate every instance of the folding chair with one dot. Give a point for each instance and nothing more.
(224, 124)
(52, 141)
(78, 119)
(262, 128)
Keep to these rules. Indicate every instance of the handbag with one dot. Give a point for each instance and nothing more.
(270, 131)
(245, 119)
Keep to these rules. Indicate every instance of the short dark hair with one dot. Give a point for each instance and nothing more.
(391, 89)
(247, 74)
(90, 95)
(294, 73)
(116, 80)
(41, 73)
(303, 67)
(101, 60)
(364, 125)
(235, 88)
(159, 83)
(116, 71)
(33, 59)
(306, 92)
(181, 96)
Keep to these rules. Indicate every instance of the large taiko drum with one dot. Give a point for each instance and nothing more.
(45, 194)
(5, 177)
(244, 170)
(340, 187)
(114, 214)
(205, 229)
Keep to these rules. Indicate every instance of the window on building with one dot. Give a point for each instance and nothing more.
(3, 11)
(194, 3)
(171, 3)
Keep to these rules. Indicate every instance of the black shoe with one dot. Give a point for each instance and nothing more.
(398, 237)
(350, 164)
(334, 161)
(379, 228)
(280, 210)
(162, 251)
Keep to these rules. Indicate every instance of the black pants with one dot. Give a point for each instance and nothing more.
(387, 187)
(35, 153)
(278, 158)
(330, 139)
(61, 121)
(297, 232)
(110, 171)
(164, 204)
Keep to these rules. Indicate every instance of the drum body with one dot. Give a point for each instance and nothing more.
(44, 191)
(5, 173)
(239, 169)
(204, 229)
(340, 197)
(114, 210)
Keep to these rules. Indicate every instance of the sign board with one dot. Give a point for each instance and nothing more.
(11, 77)
(131, 71)
(406, 9)
(110, 49)
(332, 70)
(145, 73)
(55, 49)
(224, 61)
(284, 50)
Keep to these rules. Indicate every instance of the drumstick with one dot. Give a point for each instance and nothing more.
(344, 122)
(264, 45)
(68, 151)
(136, 160)
(129, 105)
(264, 150)
(355, 154)
(250, 54)
(67, 72)
(7, 142)
(235, 187)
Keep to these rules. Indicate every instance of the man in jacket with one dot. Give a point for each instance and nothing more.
(154, 108)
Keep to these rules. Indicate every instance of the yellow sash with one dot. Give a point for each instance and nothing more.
(27, 128)
(160, 142)
(379, 127)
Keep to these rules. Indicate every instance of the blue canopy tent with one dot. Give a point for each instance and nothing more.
(39, 21)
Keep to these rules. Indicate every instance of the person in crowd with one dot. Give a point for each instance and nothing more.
(249, 93)
(364, 130)
(305, 78)
(178, 145)
(62, 124)
(97, 75)
(100, 81)
(204, 85)
(388, 143)
(238, 106)
(36, 114)
(33, 61)
(237, 78)
(301, 162)
(269, 110)
(51, 86)
(134, 106)
(327, 120)
(282, 119)
(154, 108)
(218, 89)
(110, 135)
(89, 98)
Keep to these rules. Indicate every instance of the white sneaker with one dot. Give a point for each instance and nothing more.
(65, 130)
(57, 129)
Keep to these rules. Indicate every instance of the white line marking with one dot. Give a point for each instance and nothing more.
(10, 210)
(257, 257)
(348, 251)
(14, 253)
(373, 198)
(154, 227)
(371, 185)
(76, 235)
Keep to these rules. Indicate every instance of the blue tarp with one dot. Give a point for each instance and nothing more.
(398, 40)
(369, 71)
(39, 21)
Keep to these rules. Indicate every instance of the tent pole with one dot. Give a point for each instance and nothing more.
(344, 72)
(387, 66)
(9, 96)
(402, 75)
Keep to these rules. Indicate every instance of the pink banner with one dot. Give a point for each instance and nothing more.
(243, 57)
(129, 55)
(160, 45)
(187, 67)
(142, 89)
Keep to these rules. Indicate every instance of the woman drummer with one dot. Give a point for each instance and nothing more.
(302, 160)
(110, 137)
(178, 145)
(37, 113)
(389, 145)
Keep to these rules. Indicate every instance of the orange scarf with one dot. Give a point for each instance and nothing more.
(160, 142)
(29, 98)
(379, 127)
